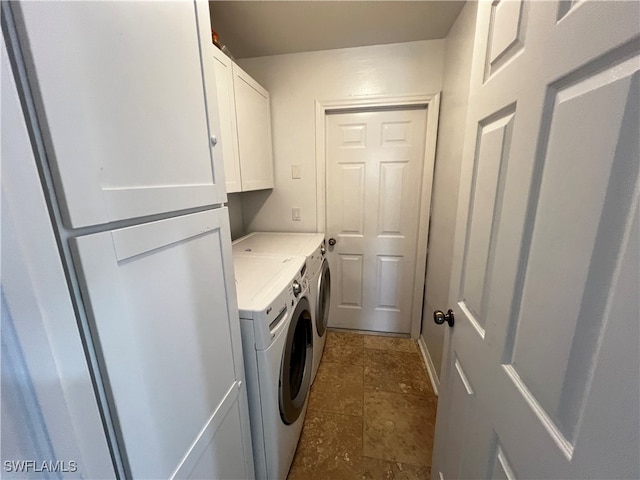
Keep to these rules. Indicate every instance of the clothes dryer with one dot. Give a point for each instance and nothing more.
(312, 246)
(277, 340)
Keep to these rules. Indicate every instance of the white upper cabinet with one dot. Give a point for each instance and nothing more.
(228, 124)
(122, 106)
(245, 126)
(253, 114)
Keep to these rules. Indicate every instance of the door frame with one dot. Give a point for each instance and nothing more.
(432, 104)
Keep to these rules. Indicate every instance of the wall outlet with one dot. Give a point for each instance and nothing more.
(295, 214)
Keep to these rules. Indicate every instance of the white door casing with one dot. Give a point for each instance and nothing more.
(143, 145)
(374, 179)
(542, 375)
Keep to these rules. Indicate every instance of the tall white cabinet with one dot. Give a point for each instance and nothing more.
(48, 406)
(127, 110)
(121, 96)
(161, 298)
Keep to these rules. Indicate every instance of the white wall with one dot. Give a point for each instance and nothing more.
(295, 82)
(234, 204)
(453, 111)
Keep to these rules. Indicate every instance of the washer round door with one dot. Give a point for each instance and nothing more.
(323, 299)
(297, 362)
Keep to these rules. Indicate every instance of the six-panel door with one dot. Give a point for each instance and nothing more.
(374, 176)
(542, 375)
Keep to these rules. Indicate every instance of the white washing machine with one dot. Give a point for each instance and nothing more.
(277, 340)
(312, 246)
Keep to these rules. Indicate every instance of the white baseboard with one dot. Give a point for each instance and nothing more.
(431, 369)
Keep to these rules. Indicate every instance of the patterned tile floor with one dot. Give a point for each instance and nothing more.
(371, 412)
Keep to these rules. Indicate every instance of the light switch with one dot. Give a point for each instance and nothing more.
(295, 171)
(295, 214)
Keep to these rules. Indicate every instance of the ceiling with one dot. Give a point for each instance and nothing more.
(261, 28)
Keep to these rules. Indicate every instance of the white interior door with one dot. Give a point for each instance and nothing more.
(374, 180)
(542, 376)
(162, 302)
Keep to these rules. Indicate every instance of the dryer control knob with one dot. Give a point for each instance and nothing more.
(297, 289)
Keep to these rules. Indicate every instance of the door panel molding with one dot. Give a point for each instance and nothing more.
(508, 17)
(600, 185)
(487, 190)
(350, 273)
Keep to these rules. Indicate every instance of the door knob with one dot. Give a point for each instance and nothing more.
(332, 241)
(439, 317)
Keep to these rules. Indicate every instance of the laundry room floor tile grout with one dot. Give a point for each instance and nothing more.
(371, 412)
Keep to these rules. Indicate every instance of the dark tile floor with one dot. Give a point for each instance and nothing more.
(371, 412)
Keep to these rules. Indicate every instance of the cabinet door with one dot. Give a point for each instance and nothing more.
(121, 102)
(253, 113)
(161, 299)
(228, 126)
